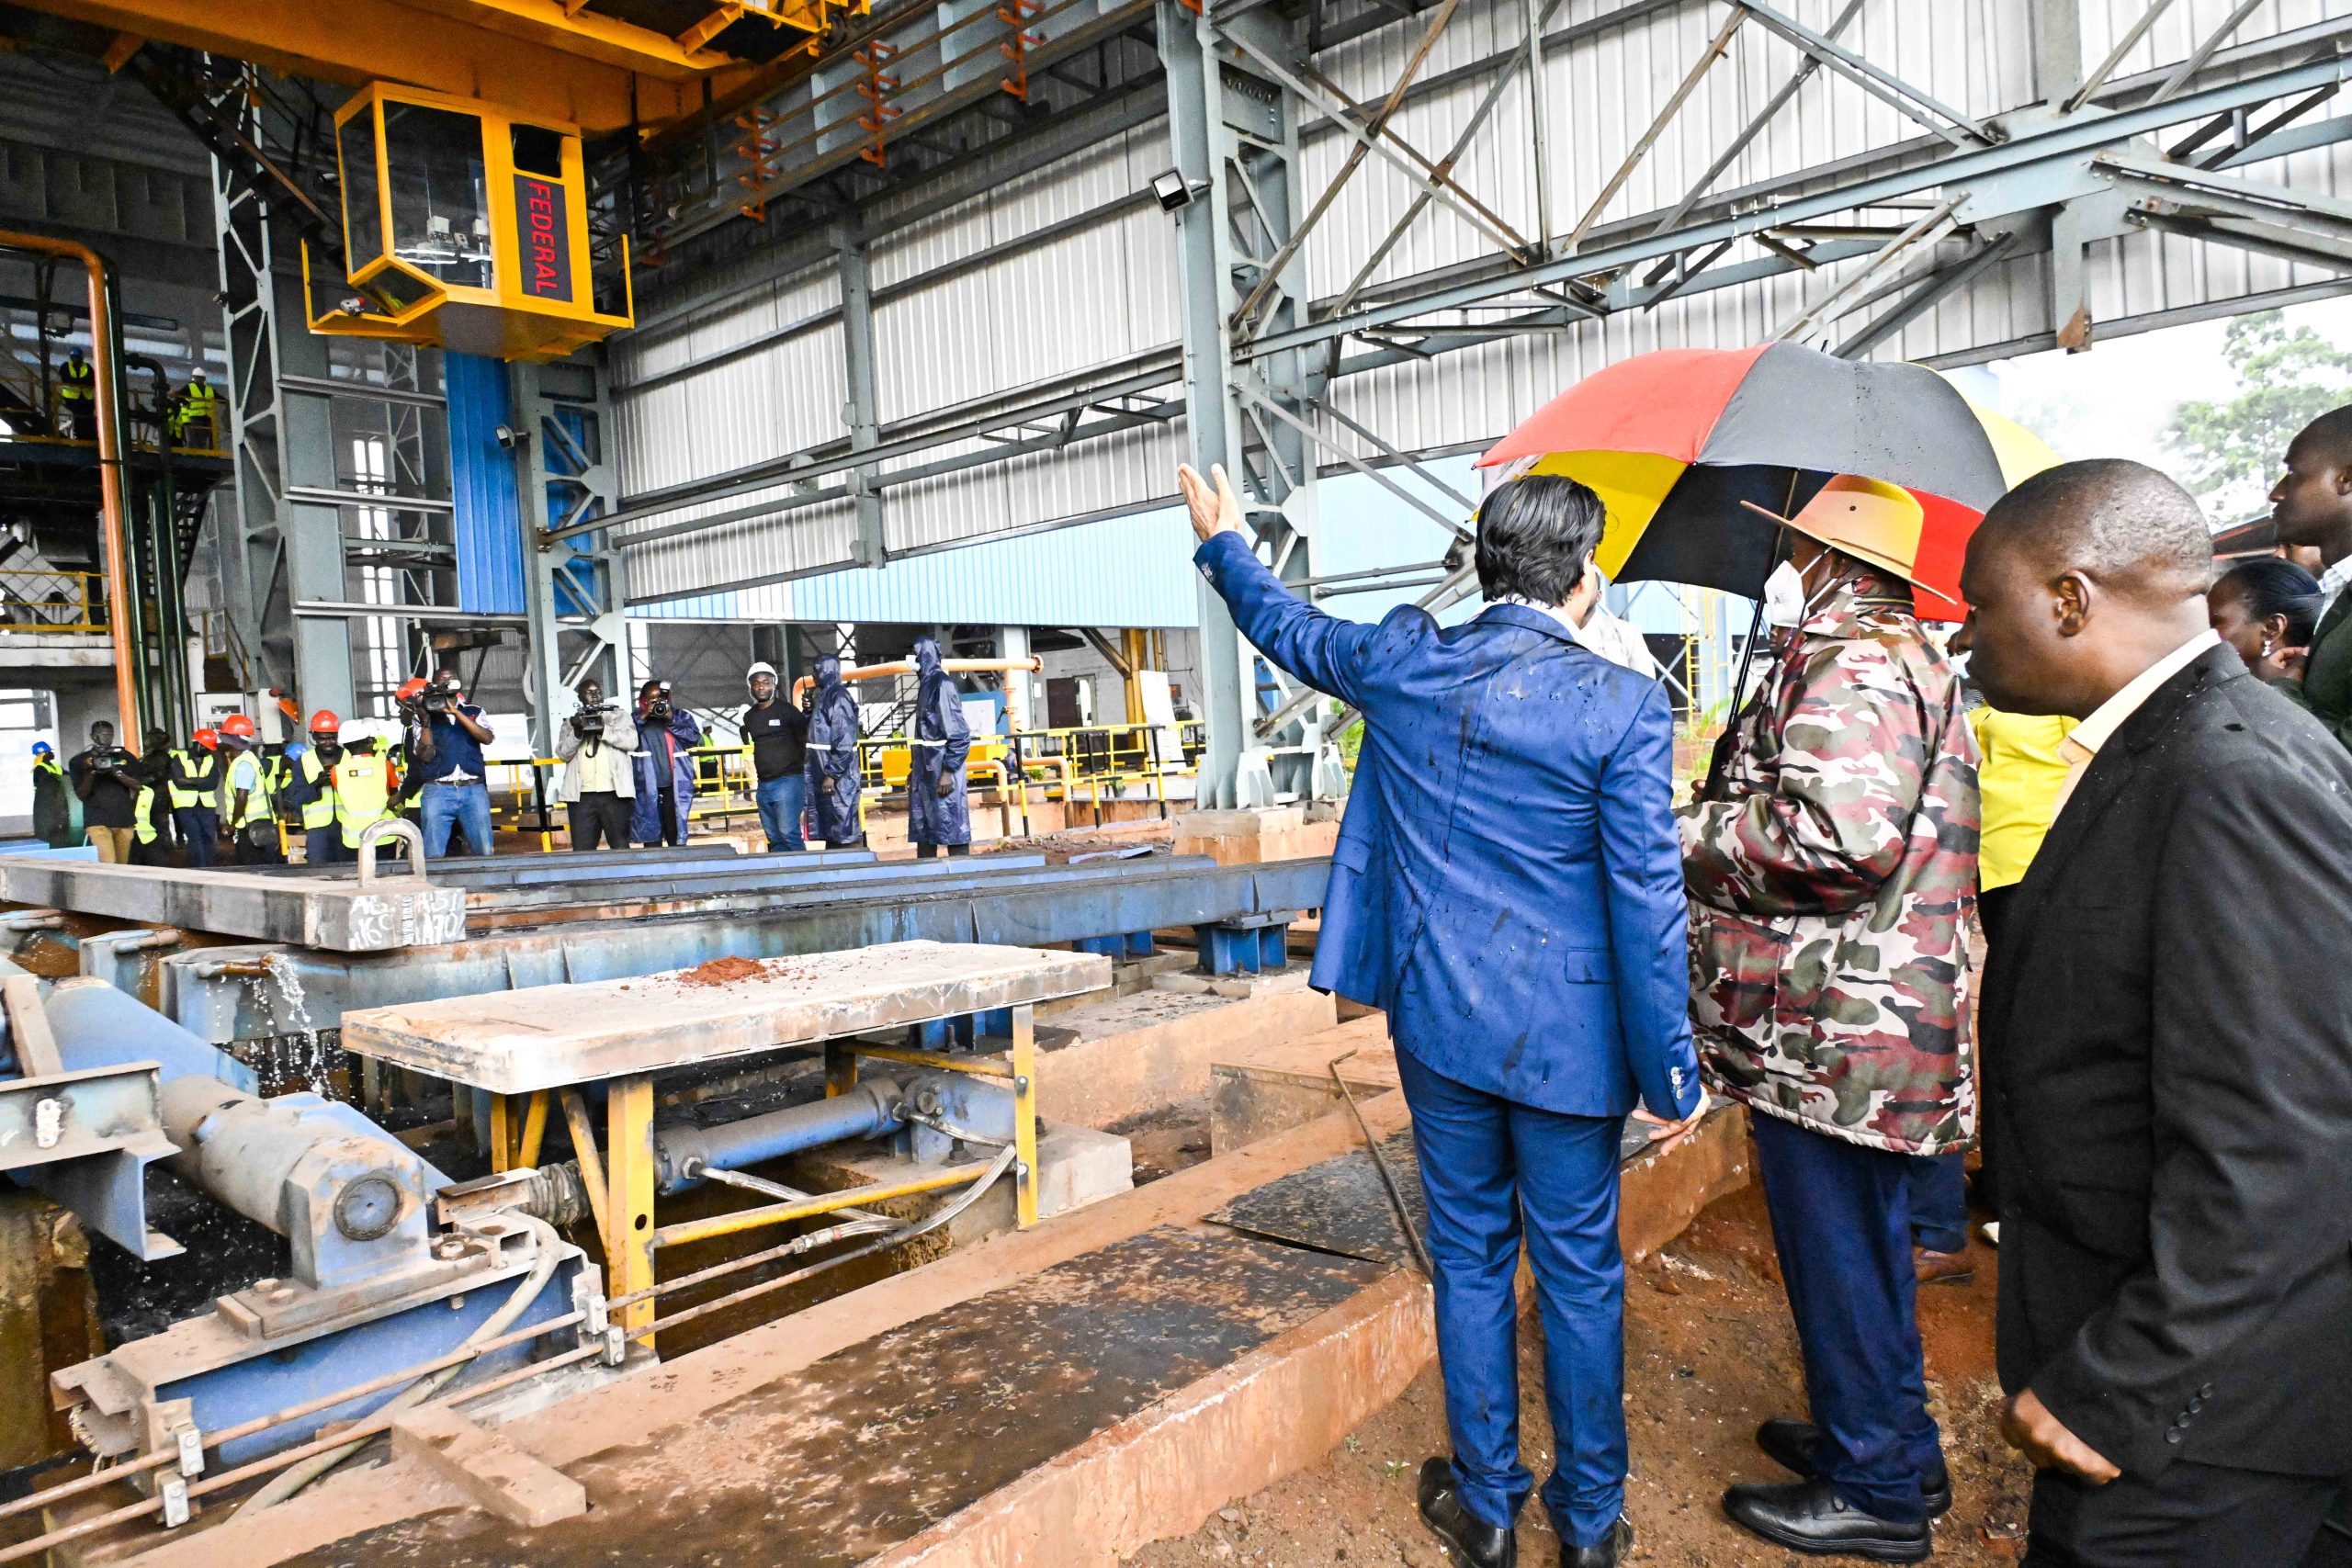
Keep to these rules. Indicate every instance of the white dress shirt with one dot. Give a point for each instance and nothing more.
(2096, 731)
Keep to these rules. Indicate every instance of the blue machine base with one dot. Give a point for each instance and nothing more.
(274, 1380)
(1252, 945)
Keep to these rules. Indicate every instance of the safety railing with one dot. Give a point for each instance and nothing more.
(52, 602)
(1087, 766)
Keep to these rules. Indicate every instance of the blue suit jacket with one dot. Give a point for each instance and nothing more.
(1508, 882)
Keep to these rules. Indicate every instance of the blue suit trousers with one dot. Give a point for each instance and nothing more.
(1488, 1165)
(1841, 1224)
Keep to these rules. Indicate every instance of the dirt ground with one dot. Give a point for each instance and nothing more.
(1708, 1353)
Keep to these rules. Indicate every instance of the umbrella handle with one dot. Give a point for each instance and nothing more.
(1739, 700)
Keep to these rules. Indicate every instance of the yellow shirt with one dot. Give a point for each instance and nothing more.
(2020, 780)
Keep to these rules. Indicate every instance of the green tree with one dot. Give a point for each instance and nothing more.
(2287, 377)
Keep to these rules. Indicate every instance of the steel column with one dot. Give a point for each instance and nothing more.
(862, 412)
(574, 586)
(1235, 130)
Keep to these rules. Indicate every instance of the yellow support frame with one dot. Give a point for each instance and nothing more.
(629, 1203)
(1019, 1064)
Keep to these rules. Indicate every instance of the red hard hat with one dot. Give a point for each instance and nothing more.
(409, 687)
(324, 722)
(238, 725)
(207, 739)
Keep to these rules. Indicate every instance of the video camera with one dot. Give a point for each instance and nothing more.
(113, 760)
(438, 697)
(589, 721)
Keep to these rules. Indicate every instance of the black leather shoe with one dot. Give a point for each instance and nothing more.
(1809, 1516)
(1604, 1553)
(1788, 1443)
(1469, 1542)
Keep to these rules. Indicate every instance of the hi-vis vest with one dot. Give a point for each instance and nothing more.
(362, 795)
(144, 813)
(204, 768)
(75, 382)
(248, 773)
(197, 402)
(319, 810)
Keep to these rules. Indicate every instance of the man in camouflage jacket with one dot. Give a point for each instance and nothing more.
(1831, 868)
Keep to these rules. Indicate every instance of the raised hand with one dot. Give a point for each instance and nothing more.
(1214, 507)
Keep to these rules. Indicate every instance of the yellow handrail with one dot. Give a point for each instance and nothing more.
(52, 602)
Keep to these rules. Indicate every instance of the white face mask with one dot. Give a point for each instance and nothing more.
(1784, 596)
(1959, 662)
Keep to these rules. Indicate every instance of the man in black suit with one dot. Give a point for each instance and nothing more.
(2169, 1017)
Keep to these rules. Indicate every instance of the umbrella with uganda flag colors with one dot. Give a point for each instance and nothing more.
(1673, 441)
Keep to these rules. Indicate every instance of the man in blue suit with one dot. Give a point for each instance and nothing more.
(1507, 888)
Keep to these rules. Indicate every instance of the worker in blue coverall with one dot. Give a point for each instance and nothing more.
(938, 811)
(833, 780)
(666, 736)
(1507, 888)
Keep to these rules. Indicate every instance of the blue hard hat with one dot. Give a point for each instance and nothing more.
(296, 751)
(41, 749)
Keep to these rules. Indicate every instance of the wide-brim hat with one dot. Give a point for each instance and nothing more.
(1875, 523)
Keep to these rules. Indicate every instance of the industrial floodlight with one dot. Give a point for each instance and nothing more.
(1174, 192)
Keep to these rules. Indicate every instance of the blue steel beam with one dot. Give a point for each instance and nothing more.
(228, 993)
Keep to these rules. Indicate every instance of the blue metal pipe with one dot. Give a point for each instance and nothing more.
(682, 1153)
(98, 1026)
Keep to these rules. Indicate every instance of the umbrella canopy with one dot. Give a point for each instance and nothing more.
(1675, 441)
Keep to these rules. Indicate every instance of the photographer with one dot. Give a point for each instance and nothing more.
(109, 795)
(446, 736)
(666, 736)
(778, 733)
(598, 749)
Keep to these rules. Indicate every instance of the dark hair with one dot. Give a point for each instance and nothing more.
(2110, 517)
(2268, 586)
(1534, 535)
(2331, 435)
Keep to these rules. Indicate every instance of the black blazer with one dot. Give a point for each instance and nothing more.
(2167, 1037)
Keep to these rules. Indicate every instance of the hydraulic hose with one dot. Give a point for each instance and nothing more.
(289, 1482)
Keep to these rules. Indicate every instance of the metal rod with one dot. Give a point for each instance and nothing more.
(2105, 68)
(1879, 84)
(1936, 223)
(970, 1195)
(242, 1429)
(986, 1067)
(1804, 72)
(1387, 1177)
(782, 1213)
(1714, 51)
(2204, 52)
(1377, 125)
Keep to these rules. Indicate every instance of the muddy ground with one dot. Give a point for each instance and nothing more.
(1708, 1353)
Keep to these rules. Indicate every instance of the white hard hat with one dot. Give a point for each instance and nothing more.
(761, 668)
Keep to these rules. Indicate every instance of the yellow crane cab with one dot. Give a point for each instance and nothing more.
(466, 229)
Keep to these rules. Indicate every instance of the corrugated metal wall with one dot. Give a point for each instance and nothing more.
(1122, 571)
(1105, 289)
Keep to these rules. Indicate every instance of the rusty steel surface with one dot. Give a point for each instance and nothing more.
(1341, 1205)
(554, 1036)
(871, 1446)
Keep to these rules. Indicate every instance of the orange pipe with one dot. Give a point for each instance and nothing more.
(112, 522)
(907, 667)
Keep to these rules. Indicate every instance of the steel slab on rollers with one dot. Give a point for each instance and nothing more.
(343, 917)
(551, 1036)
